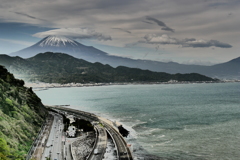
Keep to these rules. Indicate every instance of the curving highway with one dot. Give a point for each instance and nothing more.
(123, 151)
(121, 145)
(101, 144)
(54, 142)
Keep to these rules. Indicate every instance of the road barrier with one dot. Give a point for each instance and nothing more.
(36, 140)
(113, 142)
(94, 146)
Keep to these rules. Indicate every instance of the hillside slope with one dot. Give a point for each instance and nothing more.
(21, 116)
(62, 68)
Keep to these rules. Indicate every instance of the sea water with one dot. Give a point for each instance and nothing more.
(170, 121)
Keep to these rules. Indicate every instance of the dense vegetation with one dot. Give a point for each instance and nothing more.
(21, 116)
(61, 68)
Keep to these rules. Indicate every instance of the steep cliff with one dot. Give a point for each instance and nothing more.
(21, 116)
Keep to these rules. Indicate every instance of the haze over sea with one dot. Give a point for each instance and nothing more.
(172, 121)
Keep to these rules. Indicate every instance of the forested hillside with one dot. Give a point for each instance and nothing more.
(62, 68)
(21, 116)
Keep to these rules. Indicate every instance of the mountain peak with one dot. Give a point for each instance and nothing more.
(57, 41)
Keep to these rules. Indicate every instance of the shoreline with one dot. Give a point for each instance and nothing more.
(137, 148)
(44, 86)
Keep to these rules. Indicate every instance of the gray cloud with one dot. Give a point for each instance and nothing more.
(129, 45)
(75, 33)
(163, 39)
(189, 18)
(160, 23)
(188, 42)
(124, 30)
(147, 22)
(202, 43)
(29, 16)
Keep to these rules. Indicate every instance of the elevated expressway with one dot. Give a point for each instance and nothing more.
(53, 146)
(101, 144)
(123, 152)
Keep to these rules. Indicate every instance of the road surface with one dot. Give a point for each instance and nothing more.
(101, 144)
(53, 147)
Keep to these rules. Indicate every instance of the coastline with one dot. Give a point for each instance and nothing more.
(43, 86)
(128, 121)
(137, 151)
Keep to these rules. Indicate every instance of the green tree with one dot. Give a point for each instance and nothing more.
(3, 157)
(4, 149)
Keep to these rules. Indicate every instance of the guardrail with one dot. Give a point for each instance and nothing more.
(73, 155)
(129, 152)
(70, 147)
(95, 143)
(106, 144)
(74, 110)
(32, 148)
(113, 142)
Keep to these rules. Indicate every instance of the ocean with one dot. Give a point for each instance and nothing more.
(166, 121)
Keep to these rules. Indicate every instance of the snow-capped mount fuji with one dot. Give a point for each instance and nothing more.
(57, 41)
(63, 45)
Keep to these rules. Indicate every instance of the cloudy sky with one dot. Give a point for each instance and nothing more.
(184, 31)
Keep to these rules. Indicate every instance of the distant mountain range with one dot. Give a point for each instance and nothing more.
(228, 70)
(62, 68)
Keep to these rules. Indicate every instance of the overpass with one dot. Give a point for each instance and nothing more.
(123, 152)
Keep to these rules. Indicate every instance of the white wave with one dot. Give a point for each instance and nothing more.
(142, 115)
(160, 144)
(154, 132)
(109, 154)
(151, 120)
(138, 123)
(161, 136)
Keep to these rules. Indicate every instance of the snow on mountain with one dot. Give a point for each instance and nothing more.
(57, 41)
(61, 44)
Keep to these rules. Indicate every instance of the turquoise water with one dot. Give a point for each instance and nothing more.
(172, 121)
